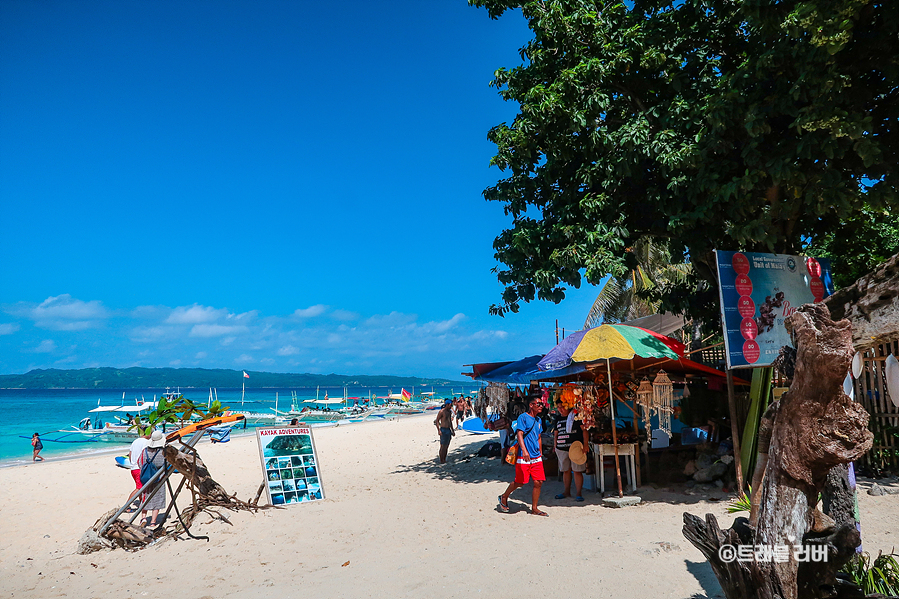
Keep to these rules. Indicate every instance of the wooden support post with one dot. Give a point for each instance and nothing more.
(731, 400)
(614, 429)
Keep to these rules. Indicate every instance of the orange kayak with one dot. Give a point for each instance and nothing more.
(203, 424)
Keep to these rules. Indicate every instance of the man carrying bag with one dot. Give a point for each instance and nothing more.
(529, 460)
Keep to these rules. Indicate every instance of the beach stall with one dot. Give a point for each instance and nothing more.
(659, 400)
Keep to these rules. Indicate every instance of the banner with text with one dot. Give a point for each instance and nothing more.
(290, 464)
(757, 292)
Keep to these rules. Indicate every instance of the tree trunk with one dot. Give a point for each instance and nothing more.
(816, 427)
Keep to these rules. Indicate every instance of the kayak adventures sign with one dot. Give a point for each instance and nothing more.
(758, 291)
(290, 464)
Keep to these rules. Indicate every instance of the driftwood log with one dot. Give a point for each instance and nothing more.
(871, 304)
(815, 427)
(194, 470)
(205, 492)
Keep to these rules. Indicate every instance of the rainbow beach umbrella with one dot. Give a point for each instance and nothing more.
(611, 342)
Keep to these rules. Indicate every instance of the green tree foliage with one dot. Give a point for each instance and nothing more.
(858, 245)
(178, 410)
(750, 125)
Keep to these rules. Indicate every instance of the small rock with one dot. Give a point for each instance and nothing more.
(876, 490)
(719, 483)
(621, 501)
(707, 475)
(690, 468)
(704, 461)
(727, 459)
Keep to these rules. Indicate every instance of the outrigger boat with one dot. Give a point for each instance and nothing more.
(118, 427)
(310, 413)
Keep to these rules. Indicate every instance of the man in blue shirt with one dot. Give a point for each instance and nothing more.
(529, 464)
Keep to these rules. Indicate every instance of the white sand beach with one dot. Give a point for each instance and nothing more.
(393, 524)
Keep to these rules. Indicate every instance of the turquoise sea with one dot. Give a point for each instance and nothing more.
(46, 411)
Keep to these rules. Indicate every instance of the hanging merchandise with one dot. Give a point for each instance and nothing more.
(663, 400)
(569, 395)
(585, 404)
(480, 405)
(498, 398)
(644, 397)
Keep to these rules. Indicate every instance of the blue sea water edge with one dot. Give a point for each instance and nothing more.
(47, 411)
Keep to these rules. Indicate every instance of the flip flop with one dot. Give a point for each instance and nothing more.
(578, 498)
(539, 513)
(562, 496)
(503, 507)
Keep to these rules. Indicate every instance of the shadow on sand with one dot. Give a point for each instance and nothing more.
(704, 575)
(464, 466)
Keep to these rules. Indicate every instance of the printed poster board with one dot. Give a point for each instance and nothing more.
(290, 464)
(758, 291)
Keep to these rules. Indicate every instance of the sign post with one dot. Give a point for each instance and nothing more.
(290, 464)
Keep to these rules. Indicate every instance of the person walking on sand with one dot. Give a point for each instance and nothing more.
(134, 456)
(529, 463)
(566, 431)
(36, 446)
(444, 424)
(460, 411)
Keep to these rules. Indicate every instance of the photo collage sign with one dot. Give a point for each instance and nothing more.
(290, 464)
(758, 292)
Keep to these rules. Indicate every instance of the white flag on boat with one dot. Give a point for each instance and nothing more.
(245, 375)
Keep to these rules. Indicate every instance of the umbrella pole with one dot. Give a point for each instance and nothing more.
(614, 428)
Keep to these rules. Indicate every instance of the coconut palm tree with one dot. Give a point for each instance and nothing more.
(622, 299)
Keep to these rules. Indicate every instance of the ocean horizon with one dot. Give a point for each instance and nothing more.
(49, 411)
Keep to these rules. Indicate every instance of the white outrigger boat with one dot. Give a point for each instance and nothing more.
(118, 427)
(311, 413)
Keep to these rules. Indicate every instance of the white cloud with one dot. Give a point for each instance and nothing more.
(216, 330)
(148, 334)
(195, 314)
(344, 315)
(46, 346)
(445, 325)
(64, 313)
(243, 359)
(8, 328)
(288, 350)
(200, 355)
(483, 335)
(175, 363)
(392, 320)
(311, 311)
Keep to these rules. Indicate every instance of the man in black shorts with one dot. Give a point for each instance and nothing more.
(444, 424)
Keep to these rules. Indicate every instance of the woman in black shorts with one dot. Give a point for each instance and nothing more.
(38, 446)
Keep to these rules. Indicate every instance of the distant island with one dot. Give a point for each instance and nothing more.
(151, 378)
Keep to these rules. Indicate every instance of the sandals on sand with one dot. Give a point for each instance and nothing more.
(538, 513)
(578, 498)
(562, 496)
(503, 507)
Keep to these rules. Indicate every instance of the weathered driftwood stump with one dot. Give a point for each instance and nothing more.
(194, 470)
(815, 428)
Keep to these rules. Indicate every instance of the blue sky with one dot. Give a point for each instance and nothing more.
(278, 186)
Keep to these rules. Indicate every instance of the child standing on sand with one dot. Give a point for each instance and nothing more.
(38, 446)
